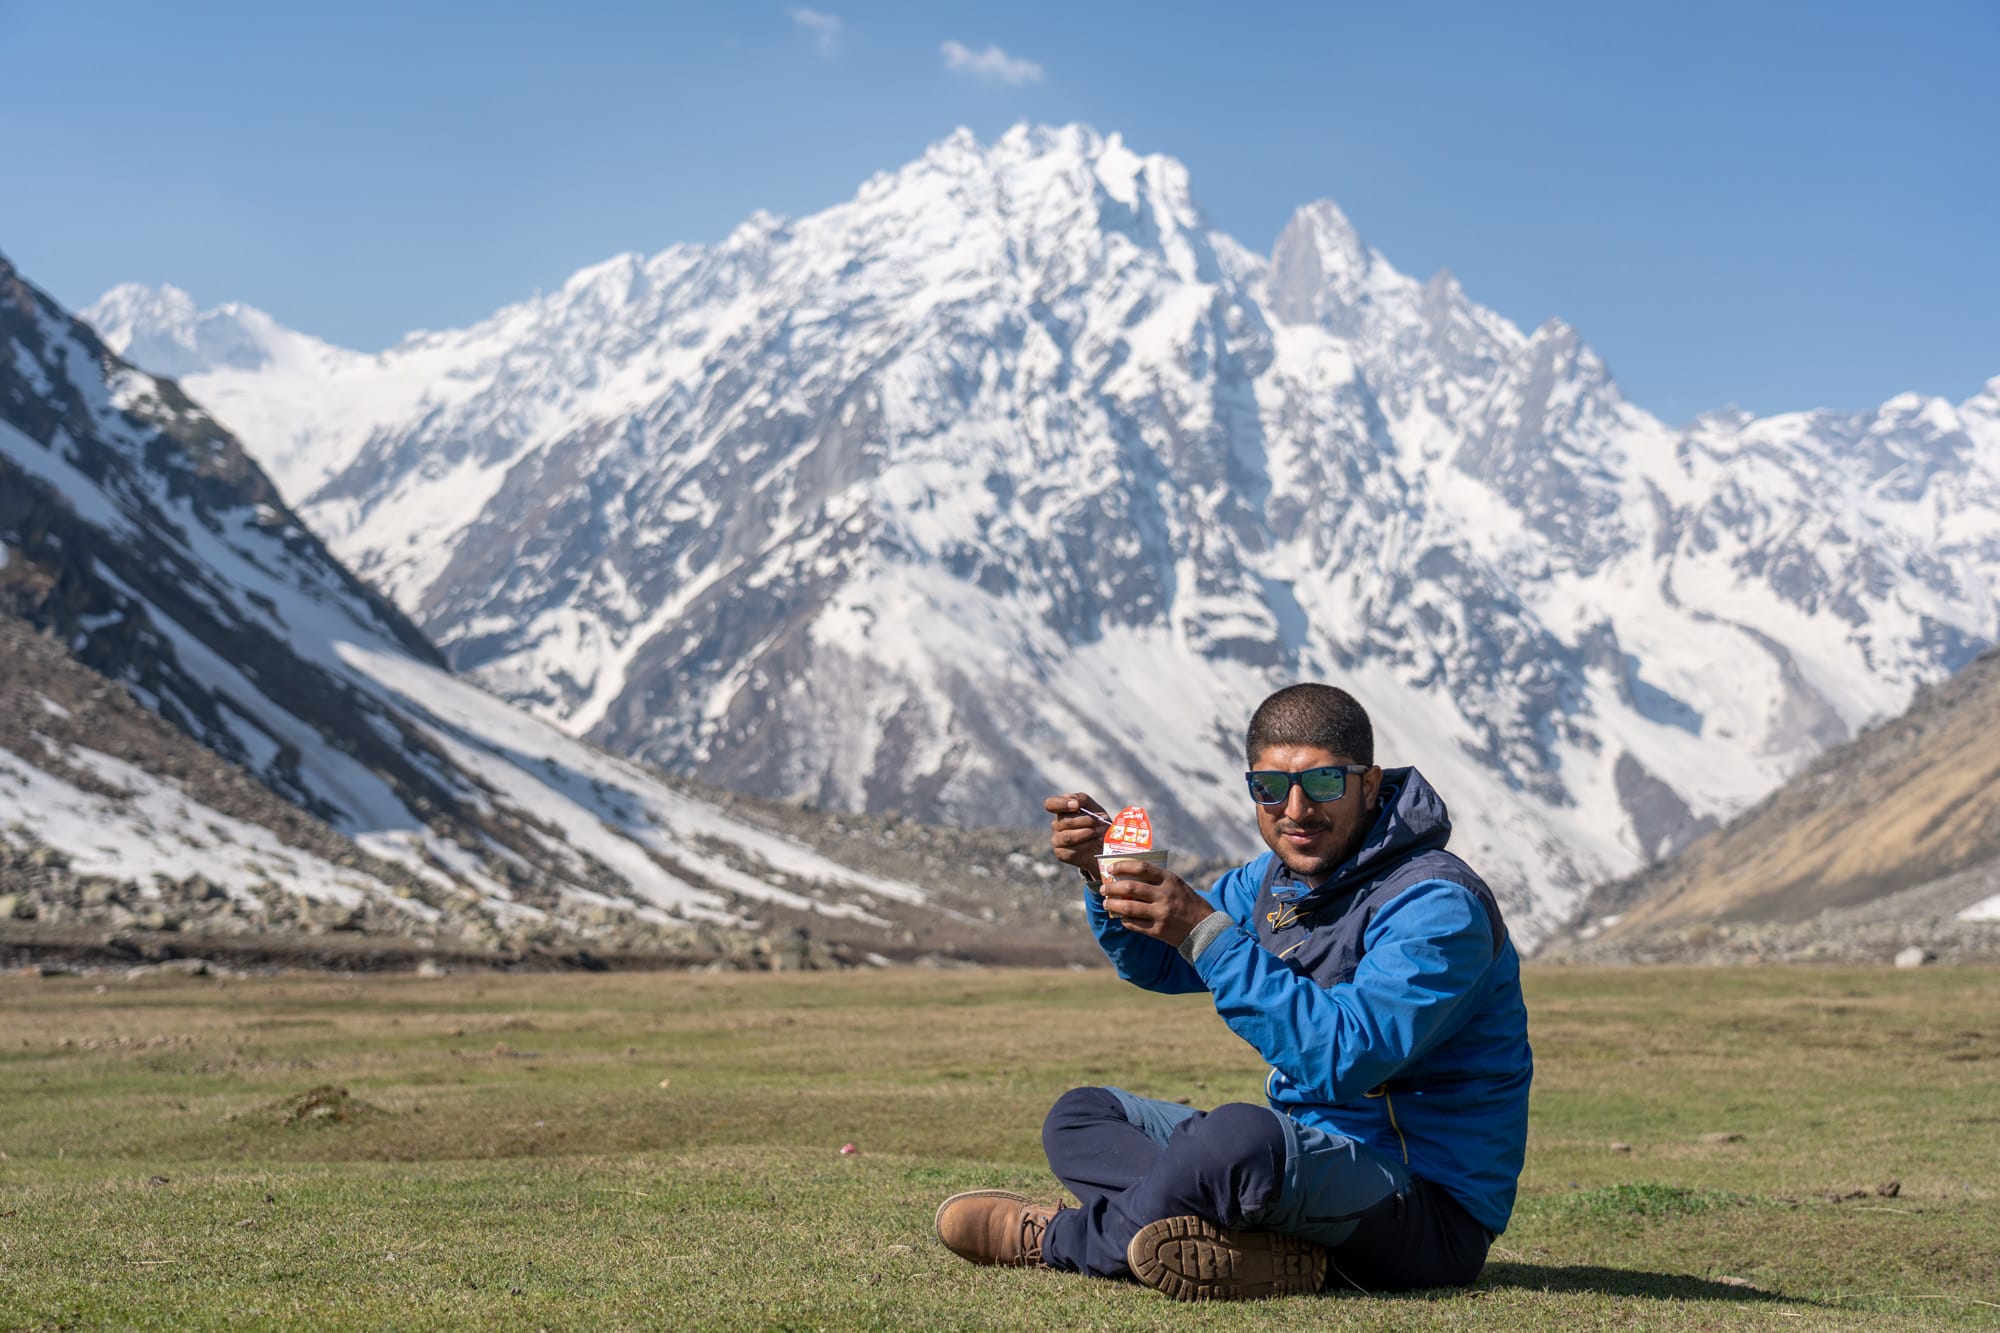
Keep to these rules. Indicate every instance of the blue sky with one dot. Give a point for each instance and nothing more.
(1772, 204)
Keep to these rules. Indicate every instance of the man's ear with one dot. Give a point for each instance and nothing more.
(1371, 785)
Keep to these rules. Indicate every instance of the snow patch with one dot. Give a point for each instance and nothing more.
(1989, 910)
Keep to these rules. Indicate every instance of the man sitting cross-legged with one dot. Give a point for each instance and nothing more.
(1370, 968)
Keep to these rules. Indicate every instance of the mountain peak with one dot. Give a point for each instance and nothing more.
(1072, 140)
(616, 282)
(162, 329)
(1030, 156)
(1726, 420)
(756, 231)
(1321, 269)
(164, 302)
(1555, 332)
(1035, 192)
(1325, 220)
(960, 142)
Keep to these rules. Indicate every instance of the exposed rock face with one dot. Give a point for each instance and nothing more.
(1890, 841)
(1012, 475)
(193, 562)
(208, 725)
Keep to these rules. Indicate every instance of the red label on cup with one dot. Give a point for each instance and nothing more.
(1131, 831)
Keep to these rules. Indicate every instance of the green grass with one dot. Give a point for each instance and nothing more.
(509, 1158)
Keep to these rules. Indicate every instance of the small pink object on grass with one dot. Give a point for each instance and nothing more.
(848, 1150)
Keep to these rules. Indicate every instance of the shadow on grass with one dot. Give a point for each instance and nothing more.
(1595, 1280)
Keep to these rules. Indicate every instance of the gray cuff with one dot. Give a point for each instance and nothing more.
(1204, 934)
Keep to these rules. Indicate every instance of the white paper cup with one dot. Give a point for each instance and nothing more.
(1156, 857)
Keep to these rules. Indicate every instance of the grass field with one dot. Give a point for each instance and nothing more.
(573, 1151)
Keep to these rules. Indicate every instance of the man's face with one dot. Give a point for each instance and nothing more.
(1310, 837)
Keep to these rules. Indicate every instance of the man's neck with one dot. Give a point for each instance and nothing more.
(1312, 883)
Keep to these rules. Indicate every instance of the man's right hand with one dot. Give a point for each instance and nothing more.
(1075, 837)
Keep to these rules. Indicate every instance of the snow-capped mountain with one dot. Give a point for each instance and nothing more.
(1012, 475)
(139, 543)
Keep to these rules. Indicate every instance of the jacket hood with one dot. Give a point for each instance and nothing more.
(1412, 819)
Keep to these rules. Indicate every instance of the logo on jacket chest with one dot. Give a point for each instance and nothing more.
(1325, 950)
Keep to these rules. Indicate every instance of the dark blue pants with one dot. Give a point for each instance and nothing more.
(1132, 1160)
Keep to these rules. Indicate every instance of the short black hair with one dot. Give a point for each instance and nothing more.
(1322, 716)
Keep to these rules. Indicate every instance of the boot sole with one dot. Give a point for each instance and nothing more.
(1021, 1199)
(1192, 1259)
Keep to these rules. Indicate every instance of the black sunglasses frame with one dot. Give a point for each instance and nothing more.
(1298, 779)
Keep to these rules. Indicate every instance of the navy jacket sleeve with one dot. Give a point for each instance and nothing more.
(1427, 955)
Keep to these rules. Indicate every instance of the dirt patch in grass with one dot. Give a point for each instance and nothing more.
(323, 1105)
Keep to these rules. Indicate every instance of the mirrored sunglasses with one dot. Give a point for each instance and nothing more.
(1269, 786)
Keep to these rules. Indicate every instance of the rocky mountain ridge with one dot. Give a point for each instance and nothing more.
(1890, 841)
(207, 724)
(1011, 474)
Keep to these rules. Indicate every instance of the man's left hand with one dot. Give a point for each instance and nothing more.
(1154, 901)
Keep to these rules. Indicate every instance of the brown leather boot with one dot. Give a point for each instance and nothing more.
(994, 1227)
(1192, 1259)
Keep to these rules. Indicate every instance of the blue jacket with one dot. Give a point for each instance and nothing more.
(1387, 1000)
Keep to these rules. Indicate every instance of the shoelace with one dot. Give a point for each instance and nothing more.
(1035, 1224)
